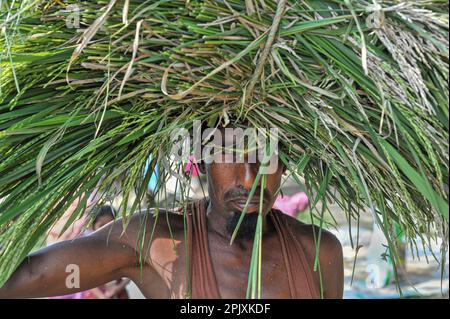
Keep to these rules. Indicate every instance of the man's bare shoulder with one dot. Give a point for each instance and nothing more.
(330, 256)
(146, 226)
(309, 235)
(159, 221)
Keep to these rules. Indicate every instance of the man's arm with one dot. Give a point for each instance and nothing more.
(52, 271)
(332, 266)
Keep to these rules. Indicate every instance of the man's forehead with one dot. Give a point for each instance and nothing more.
(245, 144)
(223, 137)
(235, 144)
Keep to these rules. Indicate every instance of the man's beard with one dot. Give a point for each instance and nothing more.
(247, 228)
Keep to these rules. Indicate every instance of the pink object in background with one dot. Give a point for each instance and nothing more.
(78, 295)
(191, 167)
(292, 205)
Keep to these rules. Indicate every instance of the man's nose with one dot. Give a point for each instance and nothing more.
(248, 175)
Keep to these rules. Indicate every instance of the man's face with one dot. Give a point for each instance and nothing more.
(231, 183)
(229, 189)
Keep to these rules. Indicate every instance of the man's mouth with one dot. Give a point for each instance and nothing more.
(240, 203)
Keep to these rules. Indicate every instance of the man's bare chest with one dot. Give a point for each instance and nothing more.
(230, 268)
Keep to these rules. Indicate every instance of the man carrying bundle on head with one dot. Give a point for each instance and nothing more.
(197, 261)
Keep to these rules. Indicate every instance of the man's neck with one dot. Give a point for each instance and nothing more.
(217, 220)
